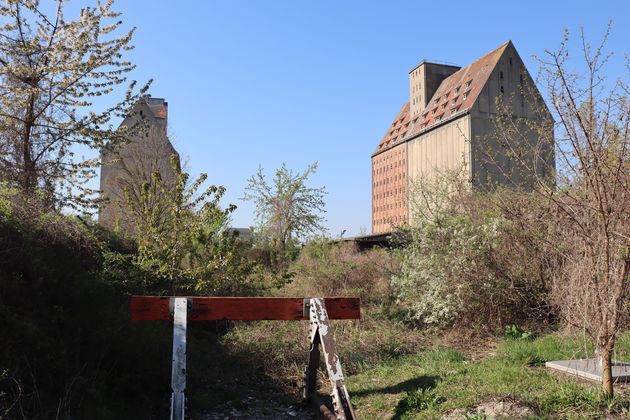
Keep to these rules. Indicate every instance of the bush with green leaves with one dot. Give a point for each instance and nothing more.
(183, 246)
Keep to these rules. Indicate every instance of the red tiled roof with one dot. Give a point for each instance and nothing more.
(397, 131)
(468, 82)
(159, 110)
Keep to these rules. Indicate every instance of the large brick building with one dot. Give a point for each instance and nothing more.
(148, 150)
(448, 124)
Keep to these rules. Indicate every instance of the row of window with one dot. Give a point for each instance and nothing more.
(397, 192)
(397, 176)
(391, 220)
(391, 206)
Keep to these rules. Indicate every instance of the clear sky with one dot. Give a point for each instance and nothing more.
(254, 83)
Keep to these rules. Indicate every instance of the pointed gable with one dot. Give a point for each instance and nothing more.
(458, 92)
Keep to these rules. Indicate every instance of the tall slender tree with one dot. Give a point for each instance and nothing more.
(51, 69)
(287, 209)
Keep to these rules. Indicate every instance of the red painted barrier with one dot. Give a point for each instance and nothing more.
(155, 308)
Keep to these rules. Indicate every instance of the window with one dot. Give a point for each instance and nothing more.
(453, 101)
(436, 100)
(500, 75)
(510, 61)
(501, 88)
(468, 84)
(465, 95)
(443, 106)
(454, 110)
(457, 90)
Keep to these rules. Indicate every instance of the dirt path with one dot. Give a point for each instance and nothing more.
(260, 406)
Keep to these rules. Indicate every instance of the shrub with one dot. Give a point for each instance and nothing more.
(468, 263)
(328, 269)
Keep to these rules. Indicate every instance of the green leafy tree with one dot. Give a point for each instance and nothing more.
(287, 209)
(183, 243)
(51, 70)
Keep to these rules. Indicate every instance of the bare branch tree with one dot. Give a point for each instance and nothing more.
(588, 202)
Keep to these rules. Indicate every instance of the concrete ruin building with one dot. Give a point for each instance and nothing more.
(146, 151)
(449, 123)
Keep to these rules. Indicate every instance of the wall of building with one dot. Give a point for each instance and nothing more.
(492, 158)
(148, 150)
(444, 149)
(424, 81)
(389, 189)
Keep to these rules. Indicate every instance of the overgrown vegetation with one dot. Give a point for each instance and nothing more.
(68, 346)
(517, 264)
(458, 265)
(441, 382)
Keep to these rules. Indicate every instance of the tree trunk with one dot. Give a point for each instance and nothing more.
(603, 356)
(29, 175)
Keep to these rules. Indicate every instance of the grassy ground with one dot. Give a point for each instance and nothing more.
(441, 381)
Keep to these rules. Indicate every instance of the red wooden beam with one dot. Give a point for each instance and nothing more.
(155, 308)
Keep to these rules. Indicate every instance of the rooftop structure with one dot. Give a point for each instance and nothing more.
(448, 124)
(147, 150)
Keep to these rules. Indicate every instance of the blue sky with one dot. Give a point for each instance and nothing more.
(254, 83)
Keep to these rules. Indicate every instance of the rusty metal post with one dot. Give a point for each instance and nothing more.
(310, 383)
(178, 372)
(320, 334)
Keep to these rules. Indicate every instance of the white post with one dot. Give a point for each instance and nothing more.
(178, 374)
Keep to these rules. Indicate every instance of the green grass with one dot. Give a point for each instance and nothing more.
(438, 381)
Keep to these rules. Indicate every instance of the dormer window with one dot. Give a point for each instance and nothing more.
(443, 106)
(465, 95)
(468, 84)
(436, 100)
(454, 101)
(457, 90)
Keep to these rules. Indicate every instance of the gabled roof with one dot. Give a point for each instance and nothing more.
(397, 132)
(455, 95)
(458, 92)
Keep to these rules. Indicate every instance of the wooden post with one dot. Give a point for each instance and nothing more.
(178, 372)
